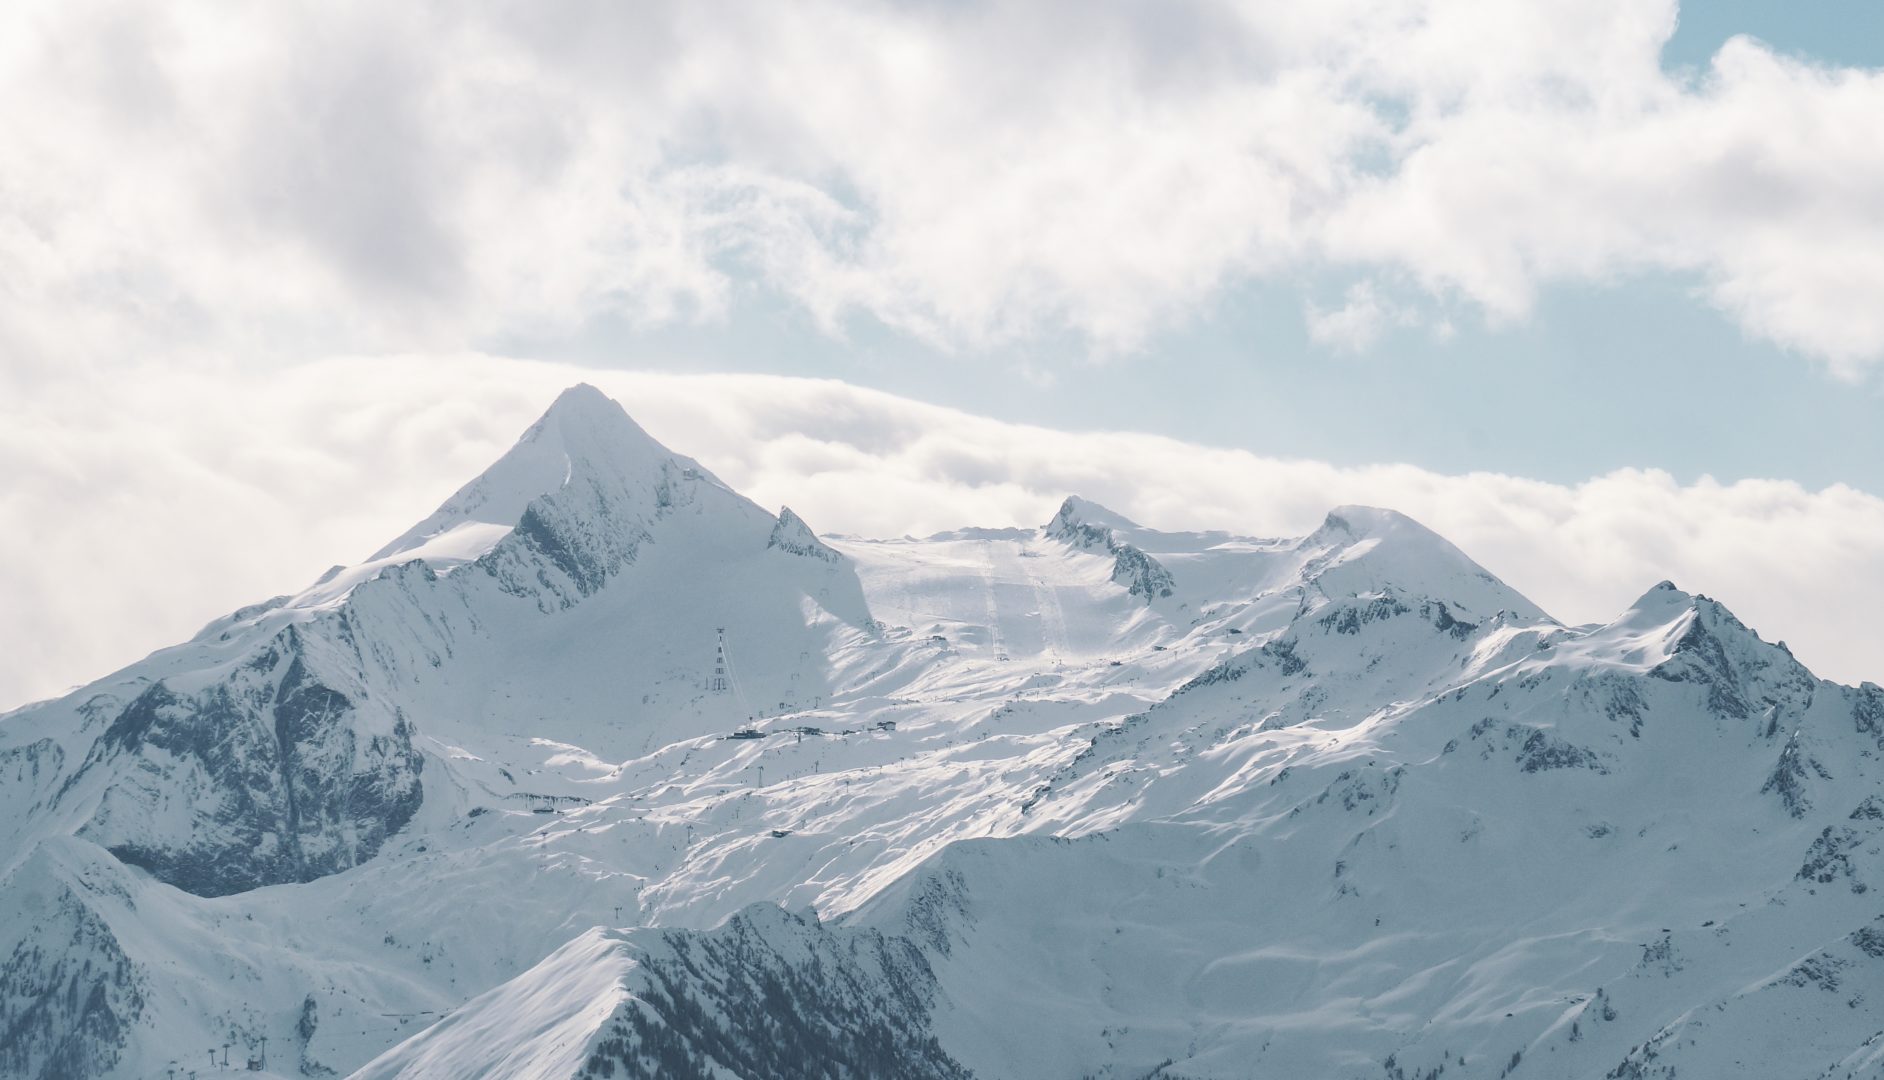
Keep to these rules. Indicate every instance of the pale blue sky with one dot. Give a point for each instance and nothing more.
(1630, 370)
(1848, 32)
(1639, 372)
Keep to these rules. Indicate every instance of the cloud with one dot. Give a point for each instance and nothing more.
(295, 180)
(200, 200)
(146, 502)
(1364, 315)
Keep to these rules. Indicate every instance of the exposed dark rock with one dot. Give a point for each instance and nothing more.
(1443, 619)
(69, 997)
(1542, 751)
(1829, 858)
(792, 536)
(1869, 940)
(1743, 676)
(1867, 710)
(569, 543)
(1348, 618)
(263, 778)
(1142, 575)
(1788, 780)
(770, 994)
(1818, 970)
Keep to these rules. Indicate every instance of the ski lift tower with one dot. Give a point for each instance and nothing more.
(719, 683)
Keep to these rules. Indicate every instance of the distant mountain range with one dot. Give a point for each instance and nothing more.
(1088, 800)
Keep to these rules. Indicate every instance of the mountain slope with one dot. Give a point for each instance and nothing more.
(766, 994)
(1084, 800)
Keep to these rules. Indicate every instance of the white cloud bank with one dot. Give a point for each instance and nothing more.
(364, 177)
(149, 502)
(185, 184)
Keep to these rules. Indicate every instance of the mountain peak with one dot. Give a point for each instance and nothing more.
(582, 392)
(1075, 512)
(1364, 549)
(1663, 596)
(583, 406)
(1084, 524)
(1361, 522)
(583, 434)
(585, 423)
(792, 536)
(1372, 526)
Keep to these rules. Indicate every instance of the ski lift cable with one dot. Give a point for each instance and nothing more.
(732, 682)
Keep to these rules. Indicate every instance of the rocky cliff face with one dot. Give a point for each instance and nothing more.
(766, 994)
(69, 997)
(263, 777)
(289, 751)
(792, 536)
(770, 994)
(568, 543)
(1142, 575)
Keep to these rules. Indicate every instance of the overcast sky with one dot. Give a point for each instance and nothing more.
(1595, 287)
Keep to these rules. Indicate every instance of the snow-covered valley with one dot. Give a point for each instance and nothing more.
(1087, 800)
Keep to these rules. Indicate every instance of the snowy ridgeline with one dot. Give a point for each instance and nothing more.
(1087, 800)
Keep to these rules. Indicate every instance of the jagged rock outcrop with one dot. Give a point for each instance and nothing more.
(270, 775)
(1142, 575)
(766, 994)
(792, 536)
(69, 996)
(772, 994)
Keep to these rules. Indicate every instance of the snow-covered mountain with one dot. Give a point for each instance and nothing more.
(1084, 800)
